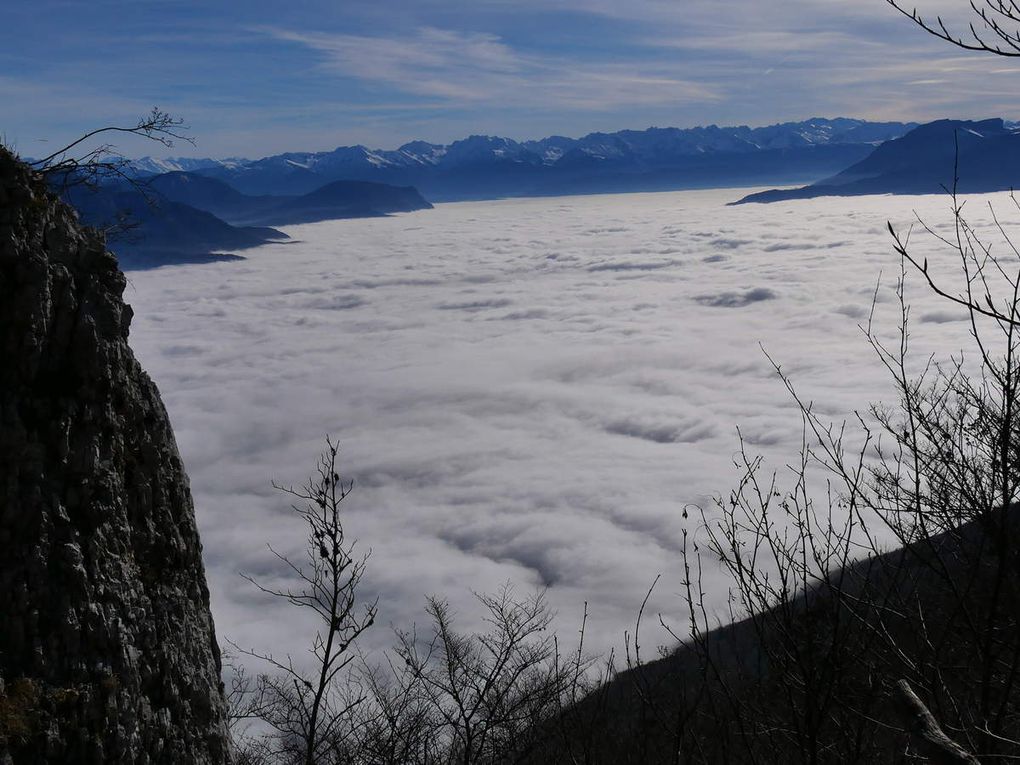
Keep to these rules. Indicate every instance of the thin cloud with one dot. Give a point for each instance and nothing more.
(481, 68)
(764, 41)
(694, 14)
(386, 72)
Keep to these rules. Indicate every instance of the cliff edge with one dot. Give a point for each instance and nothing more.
(107, 646)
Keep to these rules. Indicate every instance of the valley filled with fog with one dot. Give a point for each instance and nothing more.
(528, 390)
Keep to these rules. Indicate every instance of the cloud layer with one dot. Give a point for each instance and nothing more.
(524, 389)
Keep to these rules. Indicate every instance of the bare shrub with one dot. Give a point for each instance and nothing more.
(307, 708)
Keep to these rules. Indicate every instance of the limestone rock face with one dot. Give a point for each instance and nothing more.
(107, 647)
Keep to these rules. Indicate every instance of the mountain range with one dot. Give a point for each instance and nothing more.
(485, 167)
(205, 206)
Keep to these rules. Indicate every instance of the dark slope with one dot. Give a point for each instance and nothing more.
(922, 162)
(340, 199)
(149, 231)
(729, 698)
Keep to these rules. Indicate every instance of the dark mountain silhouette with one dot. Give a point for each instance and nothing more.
(181, 217)
(147, 231)
(922, 162)
(340, 199)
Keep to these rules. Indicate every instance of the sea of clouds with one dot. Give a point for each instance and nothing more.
(526, 390)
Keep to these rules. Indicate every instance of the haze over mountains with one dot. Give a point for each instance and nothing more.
(145, 231)
(183, 218)
(204, 206)
(335, 200)
(480, 167)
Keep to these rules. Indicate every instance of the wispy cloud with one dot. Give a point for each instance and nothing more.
(254, 81)
(481, 68)
(435, 62)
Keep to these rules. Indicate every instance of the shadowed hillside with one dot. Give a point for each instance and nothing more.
(148, 232)
(815, 677)
(332, 201)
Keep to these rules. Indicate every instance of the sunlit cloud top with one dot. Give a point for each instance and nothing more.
(262, 77)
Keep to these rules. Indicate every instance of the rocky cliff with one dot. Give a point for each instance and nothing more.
(107, 648)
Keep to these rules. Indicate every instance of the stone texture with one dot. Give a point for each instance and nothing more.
(107, 647)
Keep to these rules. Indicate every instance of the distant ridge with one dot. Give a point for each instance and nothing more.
(922, 162)
(181, 217)
(485, 167)
(332, 201)
(150, 232)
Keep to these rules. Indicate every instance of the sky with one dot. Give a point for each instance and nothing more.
(261, 77)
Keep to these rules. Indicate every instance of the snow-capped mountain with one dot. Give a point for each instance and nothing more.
(490, 166)
(155, 165)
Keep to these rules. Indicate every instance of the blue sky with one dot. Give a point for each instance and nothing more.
(258, 77)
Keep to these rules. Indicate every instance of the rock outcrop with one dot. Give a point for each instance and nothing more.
(107, 647)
